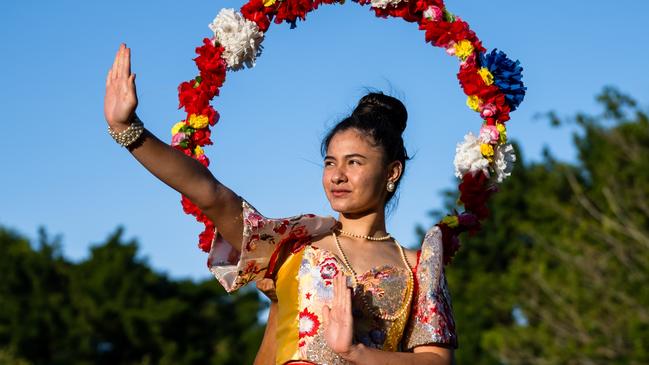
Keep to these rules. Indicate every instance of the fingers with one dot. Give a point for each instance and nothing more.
(118, 66)
(337, 294)
(113, 69)
(346, 296)
(131, 82)
(127, 62)
(325, 316)
(342, 294)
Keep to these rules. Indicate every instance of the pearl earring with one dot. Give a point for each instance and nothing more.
(390, 186)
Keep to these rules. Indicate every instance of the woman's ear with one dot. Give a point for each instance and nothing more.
(395, 169)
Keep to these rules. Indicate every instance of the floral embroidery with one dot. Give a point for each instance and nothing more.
(328, 269)
(371, 280)
(308, 323)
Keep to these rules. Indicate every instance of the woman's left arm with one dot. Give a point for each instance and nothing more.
(338, 322)
(429, 355)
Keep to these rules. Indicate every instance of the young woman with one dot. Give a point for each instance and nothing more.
(347, 292)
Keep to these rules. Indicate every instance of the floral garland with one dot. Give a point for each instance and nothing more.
(491, 81)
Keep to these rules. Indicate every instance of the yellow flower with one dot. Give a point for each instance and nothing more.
(176, 128)
(198, 151)
(268, 3)
(198, 121)
(487, 151)
(487, 77)
(473, 102)
(502, 133)
(463, 49)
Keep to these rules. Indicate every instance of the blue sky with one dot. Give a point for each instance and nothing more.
(62, 170)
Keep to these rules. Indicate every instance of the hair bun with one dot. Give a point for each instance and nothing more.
(388, 106)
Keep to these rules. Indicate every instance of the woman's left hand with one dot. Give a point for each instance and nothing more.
(338, 321)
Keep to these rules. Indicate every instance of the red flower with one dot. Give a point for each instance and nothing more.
(193, 99)
(204, 160)
(209, 59)
(410, 11)
(206, 237)
(290, 10)
(255, 11)
(472, 83)
(497, 98)
(474, 192)
(201, 137)
(441, 33)
(188, 206)
(450, 242)
(470, 222)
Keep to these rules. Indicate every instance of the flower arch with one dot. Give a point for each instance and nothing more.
(491, 81)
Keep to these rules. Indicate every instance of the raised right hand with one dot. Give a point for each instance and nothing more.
(121, 97)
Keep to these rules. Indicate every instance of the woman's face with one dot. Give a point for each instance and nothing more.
(354, 176)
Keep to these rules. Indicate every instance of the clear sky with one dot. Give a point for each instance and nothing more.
(62, 170)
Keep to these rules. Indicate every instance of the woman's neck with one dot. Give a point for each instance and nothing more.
(370, 224)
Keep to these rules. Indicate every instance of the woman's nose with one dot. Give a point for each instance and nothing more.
(338, 176)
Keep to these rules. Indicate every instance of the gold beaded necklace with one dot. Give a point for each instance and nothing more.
(380, 313)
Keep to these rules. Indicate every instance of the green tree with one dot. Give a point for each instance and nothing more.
(558, 273)
(112, 308)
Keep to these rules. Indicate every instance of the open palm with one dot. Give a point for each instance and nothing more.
(121, 98)
(338, 320)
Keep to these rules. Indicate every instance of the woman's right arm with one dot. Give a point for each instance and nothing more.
(181, 172)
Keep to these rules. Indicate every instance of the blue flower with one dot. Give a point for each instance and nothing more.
(507, 76)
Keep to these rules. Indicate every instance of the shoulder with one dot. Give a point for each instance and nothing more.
(303, 224)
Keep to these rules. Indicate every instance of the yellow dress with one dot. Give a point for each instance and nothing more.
(281, 248)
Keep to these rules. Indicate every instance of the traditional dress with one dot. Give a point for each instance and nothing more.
(281, 248)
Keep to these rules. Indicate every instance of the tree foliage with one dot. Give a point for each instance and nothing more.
(558, 274)
(112, 308)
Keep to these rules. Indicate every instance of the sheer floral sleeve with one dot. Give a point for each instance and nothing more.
(431, 320)
(262, 239)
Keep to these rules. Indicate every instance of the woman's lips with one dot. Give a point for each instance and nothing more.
(340, 193)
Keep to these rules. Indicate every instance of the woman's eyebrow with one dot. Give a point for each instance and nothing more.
(346, 156)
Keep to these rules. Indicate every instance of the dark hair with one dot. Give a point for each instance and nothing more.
(383, 118)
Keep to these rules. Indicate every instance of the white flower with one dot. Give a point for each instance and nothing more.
(384, 3)
(239, 36)
(468, 157)
(504, 159)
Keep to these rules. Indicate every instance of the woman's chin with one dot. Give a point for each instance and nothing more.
(339, 205)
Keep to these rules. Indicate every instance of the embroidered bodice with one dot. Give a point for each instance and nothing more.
(303, 279)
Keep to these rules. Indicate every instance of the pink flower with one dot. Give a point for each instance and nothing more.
(450, 50)
(433, 13)
(178, 138)
(489, 134)
(488, 110)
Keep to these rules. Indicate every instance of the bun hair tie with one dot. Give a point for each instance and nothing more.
(491, 81)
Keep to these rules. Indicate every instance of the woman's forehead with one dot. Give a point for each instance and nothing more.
(351, 142)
